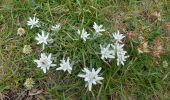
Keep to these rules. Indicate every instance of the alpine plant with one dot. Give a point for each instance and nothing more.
(115, 50)
(65, 65)
(91, 77)
(33, 22)
(107, 52)
(83, 34)
(45, 62)
(42, 39)
(98, 29)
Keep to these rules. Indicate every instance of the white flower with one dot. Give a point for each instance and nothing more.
(121, 57)
(65, 65)
(106, 52)
(56, 28)
(33, 22)
(118, 47)
(120, 53)
(98, 29)
(84, 35)
(118, 37)
(42, 39)
(44, 62)
(91, 77)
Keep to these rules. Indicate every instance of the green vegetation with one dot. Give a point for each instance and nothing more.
(145, 75)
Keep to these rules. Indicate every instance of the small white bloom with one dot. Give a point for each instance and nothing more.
(42, 39)
(118, 47)
(98, 29)
(84, 35)
(106, 52)
(33, 22)
(56, 28)
(65, 65)
(121, 57)
(118, 37)
(44, 62)
(120, 53)
(91, 77)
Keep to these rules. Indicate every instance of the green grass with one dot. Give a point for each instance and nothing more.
(143, 76)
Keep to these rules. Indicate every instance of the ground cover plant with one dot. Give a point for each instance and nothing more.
(84, 49)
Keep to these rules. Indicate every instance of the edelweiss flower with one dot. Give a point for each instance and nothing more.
(121, 57)
(65, 65)
(106, 52)
(98, 29)
(44, 62)
(118, 47)
(120, 53)
(56, 28)
(83, 34)
(42, 39)
(33, 22)
(91, 77)
(118, 37)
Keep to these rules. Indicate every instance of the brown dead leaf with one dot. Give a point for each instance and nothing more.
(35, 92)
(143, 48)
(157, 48)
(156, 15)
(131, 34)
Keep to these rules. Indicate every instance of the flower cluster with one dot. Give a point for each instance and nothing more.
(90, 76)
(115, 50)
(84, 35)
